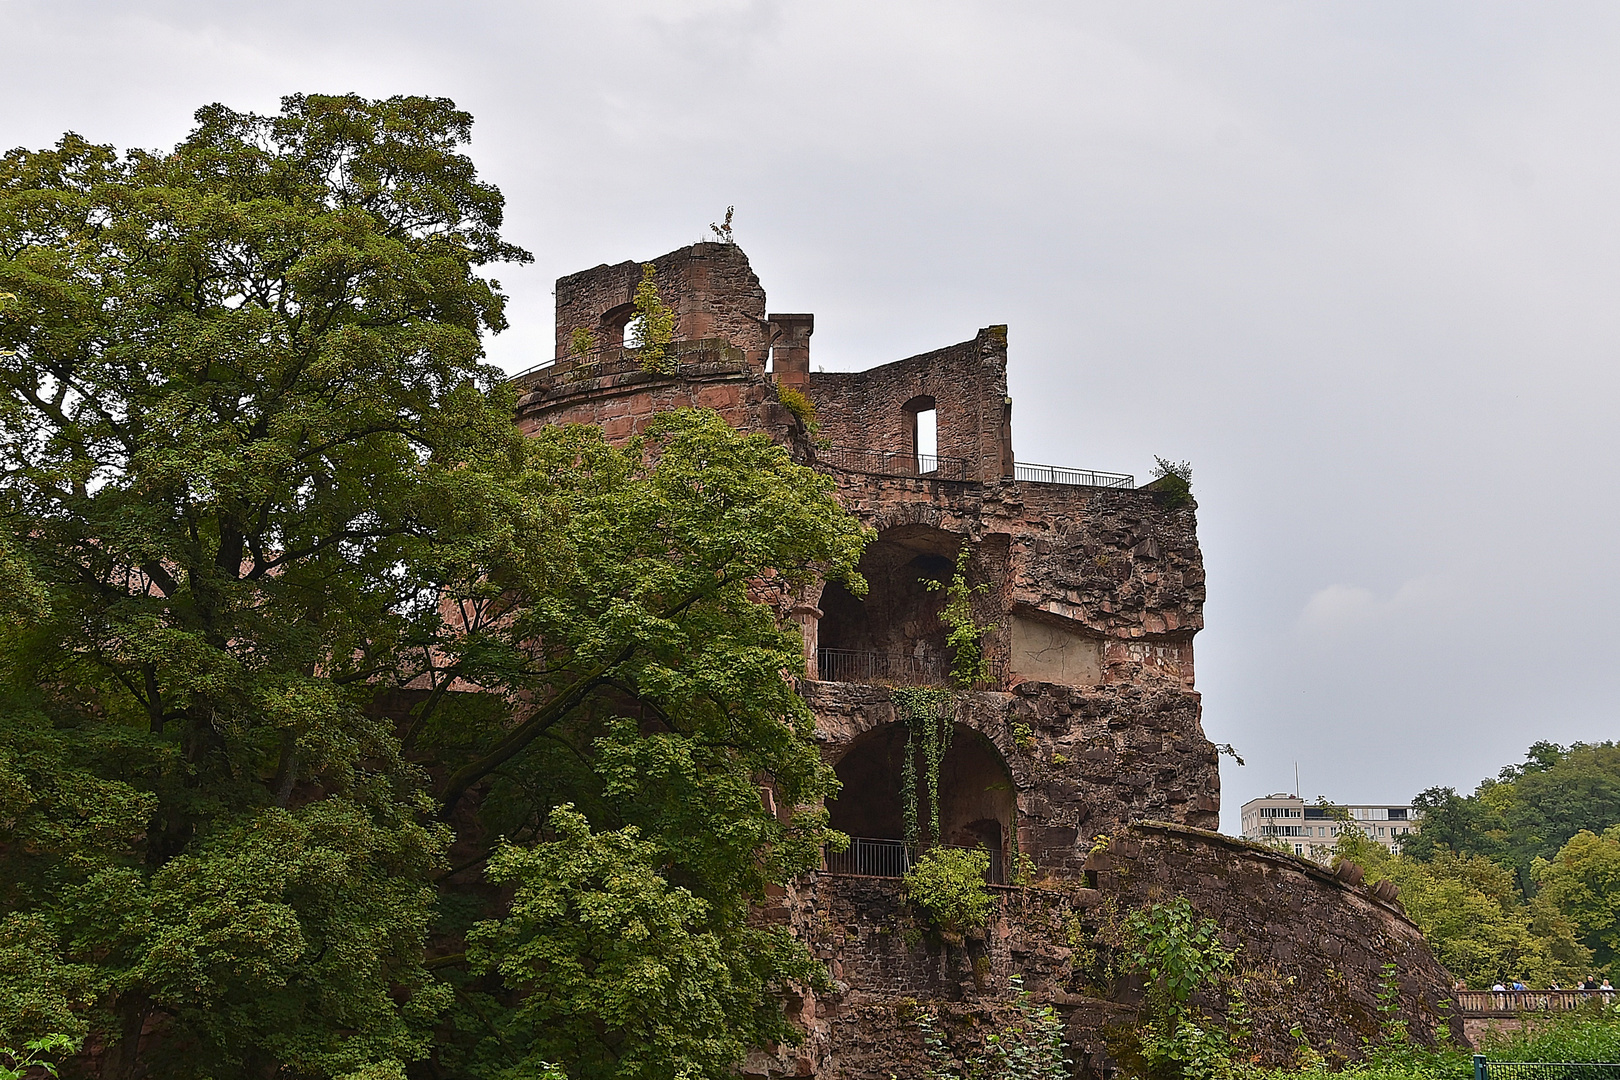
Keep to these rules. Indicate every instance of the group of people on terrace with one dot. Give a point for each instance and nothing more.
(1591, 983)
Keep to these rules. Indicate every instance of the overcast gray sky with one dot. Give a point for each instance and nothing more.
(1358, 262)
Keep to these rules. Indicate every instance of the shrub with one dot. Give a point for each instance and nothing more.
(947, 885)
(1173, 479)
(796, 403)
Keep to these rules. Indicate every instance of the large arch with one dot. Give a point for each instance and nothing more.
(977, 800)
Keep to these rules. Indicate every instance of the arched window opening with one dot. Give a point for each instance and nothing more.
(632, 333)
(976, 803)
(615, 325)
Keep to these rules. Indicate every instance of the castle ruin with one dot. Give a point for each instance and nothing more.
(1080, 758)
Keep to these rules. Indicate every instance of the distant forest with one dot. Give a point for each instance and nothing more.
(1521, 878)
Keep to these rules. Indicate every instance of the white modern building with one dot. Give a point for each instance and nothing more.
(1312, 829)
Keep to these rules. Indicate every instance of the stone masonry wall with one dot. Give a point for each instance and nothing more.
(615, 394)
(1118, 565)
(968, 383)
(711, 288)
(1083, 761)
(1312, 952)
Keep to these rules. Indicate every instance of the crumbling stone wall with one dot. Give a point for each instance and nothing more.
(1120, 567)
(1095, 596)
(614, 393)
(1313, 952)
(967, 383)
(1083, 761)
(711, 288)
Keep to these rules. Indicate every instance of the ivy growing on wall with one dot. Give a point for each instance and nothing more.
(929, 713)
(964, 635)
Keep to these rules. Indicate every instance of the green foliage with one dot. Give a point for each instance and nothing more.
(796, 403)
(18, 1065)
(1527, 811)
(242, 407)
(652, 327)
(1473, 917)
(599, 940)
(965, 636)
(656, 700)
(1185, 1045)
(1582, 882)
(929, 714)
(1525, 818)
(1030, 1048)
(582, 343)
(1173, 481)
(947, 885)
(1179, 952)
(295, 550)
(1580, 1036)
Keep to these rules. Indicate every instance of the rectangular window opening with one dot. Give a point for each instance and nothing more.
(927, 441)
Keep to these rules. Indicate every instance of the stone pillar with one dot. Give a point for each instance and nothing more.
(809, 617)
(790, 349)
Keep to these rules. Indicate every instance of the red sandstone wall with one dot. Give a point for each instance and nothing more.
(711, 287)
(619, 397)
(1093, 760)
(1116, 565)
(968, 382)
(1313, 948)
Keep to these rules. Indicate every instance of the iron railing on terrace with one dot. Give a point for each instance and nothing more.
(868, 857)
(1054, 474)
(1514, 1002)
(1485, 1069)
(850, 665)
(893, 463)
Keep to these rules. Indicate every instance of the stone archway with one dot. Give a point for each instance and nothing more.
(893, 634)
(977, 800)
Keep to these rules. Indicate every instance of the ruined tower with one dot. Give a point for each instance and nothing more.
(1078, 763)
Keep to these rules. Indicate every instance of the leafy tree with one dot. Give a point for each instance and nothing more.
(599, 940)
(638, 638)
(1583, 882)
(1527, 811)
(1472, 915)
(34, 1057)
(243, 402)
(287, 597)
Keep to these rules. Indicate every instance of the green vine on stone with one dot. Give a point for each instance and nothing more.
(929, 713)
(652, 327)
(964, 635)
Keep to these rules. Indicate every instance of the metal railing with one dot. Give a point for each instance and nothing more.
(617, 357)
(1053, 474)
(849, 665)
(893, 463)
(1514, 1002)
(1485, 1069)
(868, 857)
